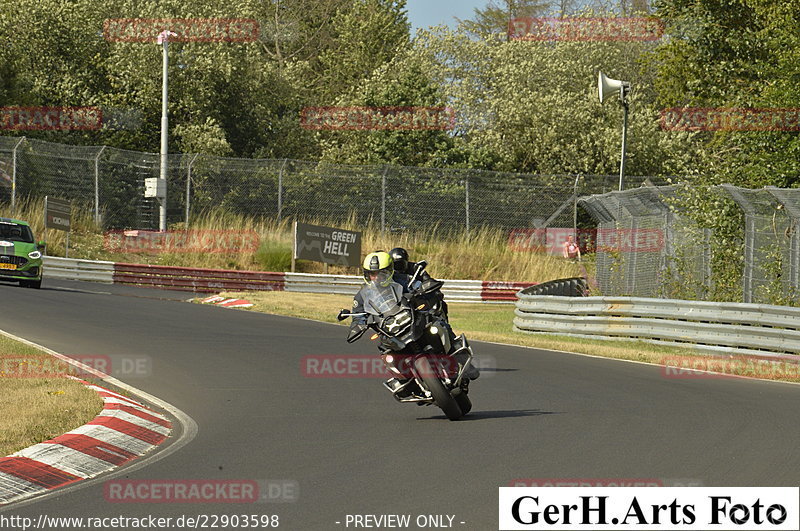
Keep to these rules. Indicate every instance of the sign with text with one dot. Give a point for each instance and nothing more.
(327, 245)
(57, 213)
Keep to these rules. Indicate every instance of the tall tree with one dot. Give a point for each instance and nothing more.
(369, 34)
(495, 16)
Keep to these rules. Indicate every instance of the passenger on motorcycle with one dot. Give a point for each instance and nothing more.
(404, 270)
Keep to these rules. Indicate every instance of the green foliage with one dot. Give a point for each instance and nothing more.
(532, 106)
(494, 17)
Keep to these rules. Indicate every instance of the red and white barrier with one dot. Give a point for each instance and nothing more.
(199, 280)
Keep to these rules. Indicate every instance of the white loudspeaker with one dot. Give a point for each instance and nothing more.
(607, 87)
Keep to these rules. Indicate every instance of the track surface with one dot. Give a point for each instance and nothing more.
(353, 450)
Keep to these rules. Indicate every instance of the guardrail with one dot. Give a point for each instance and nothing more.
(201, 280)
(751, 329)
(68, 268)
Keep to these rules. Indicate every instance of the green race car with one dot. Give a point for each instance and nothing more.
(20, 255)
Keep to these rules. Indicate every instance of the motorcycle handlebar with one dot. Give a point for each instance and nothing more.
(344, 314)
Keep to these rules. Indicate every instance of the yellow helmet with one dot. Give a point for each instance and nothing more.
(378, 268)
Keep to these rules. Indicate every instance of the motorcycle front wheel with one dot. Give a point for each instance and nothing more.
(441, 395)
(464, 403)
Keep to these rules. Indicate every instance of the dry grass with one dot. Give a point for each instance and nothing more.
(492, 322)
(37, 409)
(483, 254)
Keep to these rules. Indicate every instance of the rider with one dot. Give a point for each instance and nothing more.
(380, 270)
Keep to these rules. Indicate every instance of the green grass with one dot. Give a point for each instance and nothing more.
(32, 409)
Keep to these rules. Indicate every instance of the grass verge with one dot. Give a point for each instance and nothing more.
(492, 322)
(34, 408)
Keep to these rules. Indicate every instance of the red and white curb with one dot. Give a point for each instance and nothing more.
(219, 300)
(124, 430)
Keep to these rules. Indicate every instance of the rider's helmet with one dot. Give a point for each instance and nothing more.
(378, 268)
(400, 258)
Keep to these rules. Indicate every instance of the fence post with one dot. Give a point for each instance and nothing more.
(383, 198)
(97, 186)
(280, 189)
(466, 197)
(14, 174)
(189, 188)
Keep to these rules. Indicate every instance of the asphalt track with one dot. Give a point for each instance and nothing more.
(353, 450)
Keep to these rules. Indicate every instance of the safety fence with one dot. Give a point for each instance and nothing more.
(652, 243)
(111, 182)
(737, 328)
(201, 280)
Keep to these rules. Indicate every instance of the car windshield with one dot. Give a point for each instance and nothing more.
(380, 299)
(15, 233)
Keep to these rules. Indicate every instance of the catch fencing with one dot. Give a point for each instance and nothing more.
(110, 182)
(647, 242)
(682, 259)
(646, 246)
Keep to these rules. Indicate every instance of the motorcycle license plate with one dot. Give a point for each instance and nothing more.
(8, 266)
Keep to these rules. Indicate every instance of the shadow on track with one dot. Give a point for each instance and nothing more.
(501, 414)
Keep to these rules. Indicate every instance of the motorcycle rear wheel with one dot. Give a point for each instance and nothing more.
(441, 395)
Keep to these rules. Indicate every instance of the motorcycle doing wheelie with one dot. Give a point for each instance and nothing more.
(416, 346)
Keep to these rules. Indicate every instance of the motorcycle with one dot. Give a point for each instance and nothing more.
(416, 346)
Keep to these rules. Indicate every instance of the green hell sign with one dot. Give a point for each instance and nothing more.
(328, 245)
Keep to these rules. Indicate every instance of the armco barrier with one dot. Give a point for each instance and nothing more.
(202, 280)
(71, 269)
(751, 329)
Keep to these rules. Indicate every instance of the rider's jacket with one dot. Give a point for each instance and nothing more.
(402, 279)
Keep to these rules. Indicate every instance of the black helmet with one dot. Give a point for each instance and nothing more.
(400, 258)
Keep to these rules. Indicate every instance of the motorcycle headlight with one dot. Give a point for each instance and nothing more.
(397, 324)
(34, 255)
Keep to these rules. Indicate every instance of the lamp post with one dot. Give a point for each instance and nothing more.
(163, 39)
(605, 88)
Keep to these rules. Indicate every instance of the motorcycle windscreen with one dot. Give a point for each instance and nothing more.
(379, 300)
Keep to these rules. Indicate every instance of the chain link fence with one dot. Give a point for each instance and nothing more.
(110, 182)
(645, 247)
(646, 243)
(770, 247)
(630, 263)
